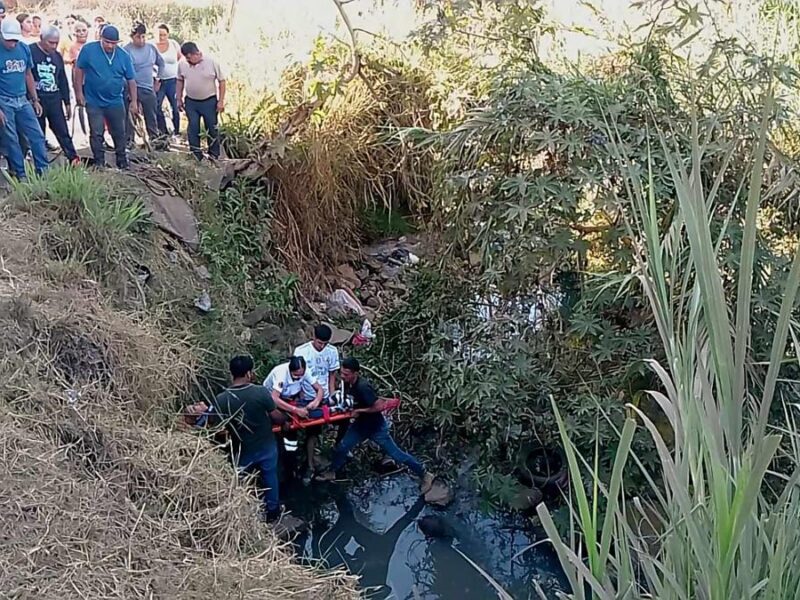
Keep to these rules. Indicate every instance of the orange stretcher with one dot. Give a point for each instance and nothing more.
(296, 423)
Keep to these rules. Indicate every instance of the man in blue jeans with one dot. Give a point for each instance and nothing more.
(248, 411)
(202, 82)
(18, 115)
(369, 424)
(101, 73)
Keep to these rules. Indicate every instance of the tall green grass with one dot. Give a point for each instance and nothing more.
(80, 196)
(717, 524)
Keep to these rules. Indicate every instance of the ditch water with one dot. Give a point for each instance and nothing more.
(371, 528)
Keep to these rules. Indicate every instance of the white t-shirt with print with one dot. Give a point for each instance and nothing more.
(321, 364)
(280, 379)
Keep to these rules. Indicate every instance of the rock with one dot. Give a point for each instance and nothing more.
(268, 334)
(374, 302)
(203, 302)
(440, 494)
(347, 275)
(526, 499)
(437, 527)
(362, 274)
(298, 338)
(389, 272)
(202, 272)
(365, 295)
(373, 265)
(339, 336)
(342, 302)
(257, 315)
(396, 286)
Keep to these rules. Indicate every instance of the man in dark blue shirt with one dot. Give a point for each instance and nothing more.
(17, 114)
(369, 424)
(53, 88)
(101, 73)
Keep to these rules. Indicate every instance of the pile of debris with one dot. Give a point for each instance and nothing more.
(374, 284)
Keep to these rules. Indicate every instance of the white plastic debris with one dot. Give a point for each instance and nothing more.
(342, 302)
(366, 329)
(203, 302)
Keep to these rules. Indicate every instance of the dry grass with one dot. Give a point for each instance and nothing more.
(97, 500)
(349, 163)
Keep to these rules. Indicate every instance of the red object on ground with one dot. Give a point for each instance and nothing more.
(359, 340)
(295, 423)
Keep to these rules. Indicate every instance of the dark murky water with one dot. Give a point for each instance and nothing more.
(371, 529)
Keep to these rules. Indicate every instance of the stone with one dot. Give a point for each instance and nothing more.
(373, 265)
(347, 275)
(362, 274)
(268, 334)
(374, 302)
(526, 499)
(202, 272)
(342, 302)
(257, 315)
(203, 302)
(440, 494)
(389, 271)
(396, 286)
(339, 336)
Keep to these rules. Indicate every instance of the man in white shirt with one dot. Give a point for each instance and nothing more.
(291, 381)
(322, 359)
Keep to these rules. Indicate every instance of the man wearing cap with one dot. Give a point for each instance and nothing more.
(146, 59)
(53, 87)
(102, 71)
(17, 114)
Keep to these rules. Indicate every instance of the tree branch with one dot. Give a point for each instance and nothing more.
(356, 56)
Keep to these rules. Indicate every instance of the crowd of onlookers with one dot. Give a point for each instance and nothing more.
(72, 71)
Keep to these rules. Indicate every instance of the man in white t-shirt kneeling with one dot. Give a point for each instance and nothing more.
(322, 359)
(295, 391)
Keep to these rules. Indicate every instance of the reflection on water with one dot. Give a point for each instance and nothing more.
(371, 530)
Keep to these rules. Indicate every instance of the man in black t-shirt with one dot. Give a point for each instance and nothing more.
(52, 86)
(248, 411)
(369, 424)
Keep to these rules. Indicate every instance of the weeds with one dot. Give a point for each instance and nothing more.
(77, 196)
(718, 522)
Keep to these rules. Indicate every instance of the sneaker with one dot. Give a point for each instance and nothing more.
(426, 483)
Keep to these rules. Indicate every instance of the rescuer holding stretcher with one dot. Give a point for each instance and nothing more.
(296, 392)
(250, 413)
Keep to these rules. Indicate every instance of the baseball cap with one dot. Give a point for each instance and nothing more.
(110, 33)
(11, 30)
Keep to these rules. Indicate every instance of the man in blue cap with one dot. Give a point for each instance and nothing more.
(18, 115)
(101, 73)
